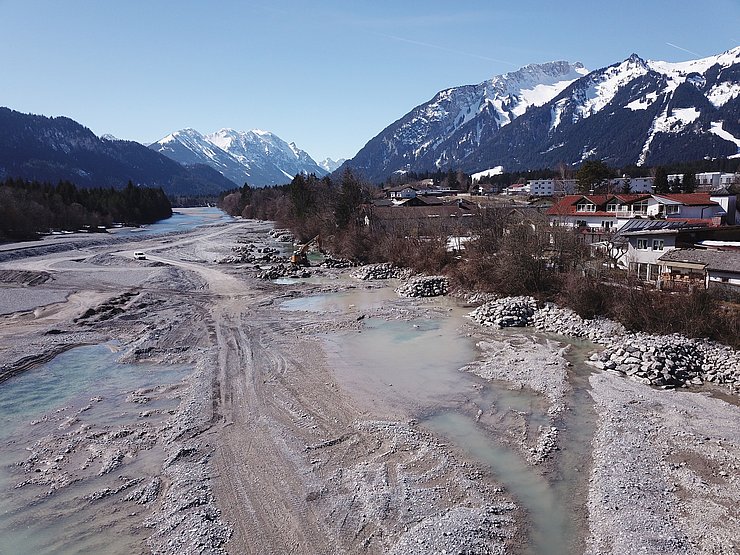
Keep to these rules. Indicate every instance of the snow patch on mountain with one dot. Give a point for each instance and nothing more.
(717, 129)
(498, 170)
(721, 94)
(643, 103)
(556, 112)
(679, 71)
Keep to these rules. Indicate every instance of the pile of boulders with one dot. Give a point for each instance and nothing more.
(506, 312)
(424, 286)
(253, 253)
(331, 262)
(282, 235)
(283, 271)
(564, 321)
(381, 271)
(663, 361)
(670, 360)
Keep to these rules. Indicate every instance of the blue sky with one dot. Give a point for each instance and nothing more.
(328, 75)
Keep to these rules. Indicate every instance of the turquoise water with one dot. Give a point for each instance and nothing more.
(61, 410)
(180, 221)
(549, 529)
(417, 367)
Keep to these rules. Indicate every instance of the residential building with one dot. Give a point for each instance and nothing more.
(610, 212)
(423, 216)
(710, 181)
(402, 192)
(641, 245)
(559, 187)
(704, 267)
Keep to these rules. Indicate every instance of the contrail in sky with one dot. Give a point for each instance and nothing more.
(684, 49)
(460, 52)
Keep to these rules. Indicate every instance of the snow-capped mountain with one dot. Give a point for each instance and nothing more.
(52, 149)
(418, 139)
(255, 157)
(331, 165)
(189, 147)
(634, 111)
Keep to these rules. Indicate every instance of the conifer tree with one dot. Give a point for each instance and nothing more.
(676, 185)
(592, 174)
(689, 183)
(660, 183)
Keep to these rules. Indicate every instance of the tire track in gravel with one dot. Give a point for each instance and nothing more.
(265, 497)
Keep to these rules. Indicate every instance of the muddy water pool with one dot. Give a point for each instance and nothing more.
(77, 434)
(416, 367)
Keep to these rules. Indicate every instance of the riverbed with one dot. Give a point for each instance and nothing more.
(330, 415)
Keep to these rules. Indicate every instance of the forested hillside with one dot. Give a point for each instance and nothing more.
(30, 208)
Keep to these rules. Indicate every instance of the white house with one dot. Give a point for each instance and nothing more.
(643, 246)
(709, 181)
(612, 211)
(403, 192)
(556, 186)
(637, 184)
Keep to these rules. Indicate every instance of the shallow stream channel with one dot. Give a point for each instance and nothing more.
(416, 363)
(79, 456)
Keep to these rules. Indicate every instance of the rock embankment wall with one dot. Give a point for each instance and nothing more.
(424, 286)
(381, 271)
(663, 361)
(506, 312)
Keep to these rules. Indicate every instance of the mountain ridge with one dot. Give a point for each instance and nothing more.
(633, 111)
(49, 149)
(255, 157)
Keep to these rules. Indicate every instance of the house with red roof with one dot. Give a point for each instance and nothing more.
(598, 215)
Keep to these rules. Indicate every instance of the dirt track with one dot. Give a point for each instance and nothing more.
(266, 452)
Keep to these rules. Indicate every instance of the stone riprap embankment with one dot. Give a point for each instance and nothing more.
(670, 360)
(381, 271)
(506, 312)
(564, 321)
(283, 271)
(332, 262)
(282, 235)
(253, 253)
(424, 286)
(663, 361)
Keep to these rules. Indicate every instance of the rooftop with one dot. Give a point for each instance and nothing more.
(726, 261)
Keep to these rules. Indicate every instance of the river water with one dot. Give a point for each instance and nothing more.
(66, 415)
(182, 219)
(415, 366)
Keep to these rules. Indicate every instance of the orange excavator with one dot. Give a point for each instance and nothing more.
(300, 256)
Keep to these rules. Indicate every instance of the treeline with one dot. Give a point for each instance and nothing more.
(311, 206)
(513, 252)
(29, 208)
(461, 181)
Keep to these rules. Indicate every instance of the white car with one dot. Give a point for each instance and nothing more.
(139, 256)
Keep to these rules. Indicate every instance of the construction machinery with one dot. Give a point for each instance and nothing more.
(300, 255)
